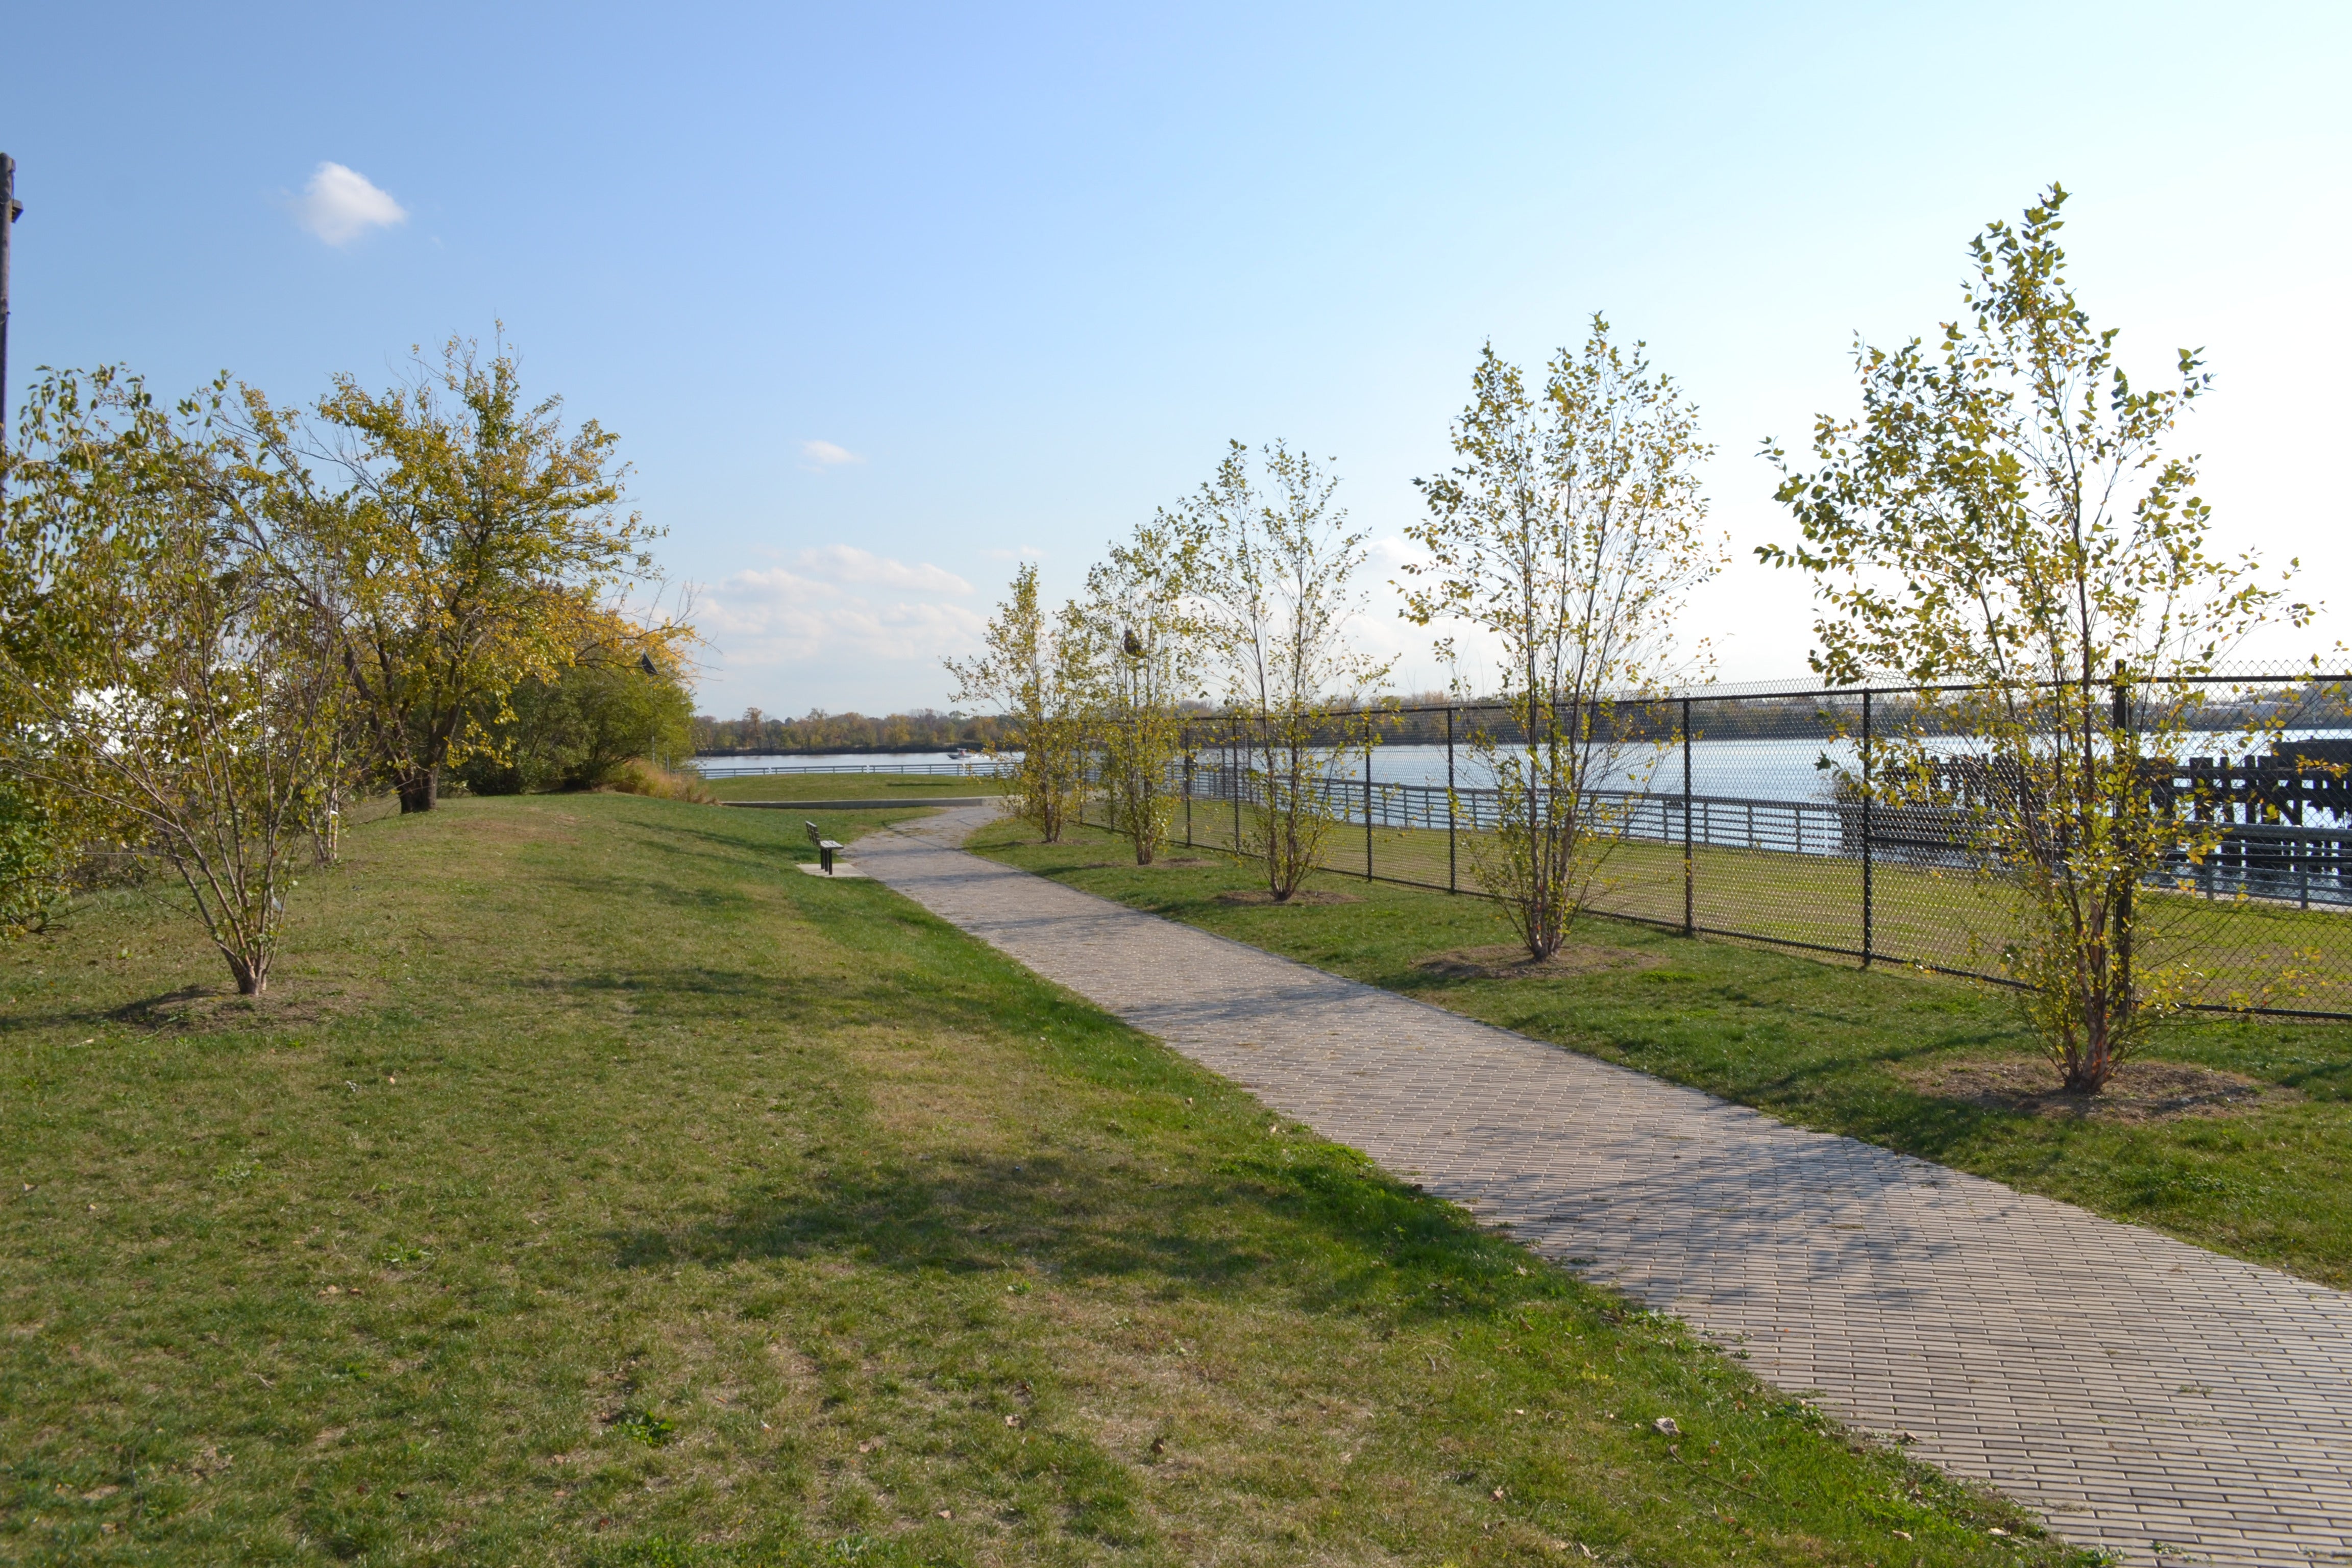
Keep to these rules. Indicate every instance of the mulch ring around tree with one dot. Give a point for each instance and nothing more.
(2139, 1090)
(1256, 896)
(291, 1001)
(1510, 962)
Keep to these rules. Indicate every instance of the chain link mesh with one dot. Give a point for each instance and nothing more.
(1750, 814)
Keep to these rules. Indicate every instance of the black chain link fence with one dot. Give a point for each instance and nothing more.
(1749, 813)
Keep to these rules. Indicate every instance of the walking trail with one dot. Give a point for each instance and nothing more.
(2145, 1396)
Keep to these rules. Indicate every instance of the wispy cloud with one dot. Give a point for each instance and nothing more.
(1026, 552)
(848, 564)
(826, 455)
(340, 204)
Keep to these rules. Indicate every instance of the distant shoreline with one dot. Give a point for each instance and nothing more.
(844, 752)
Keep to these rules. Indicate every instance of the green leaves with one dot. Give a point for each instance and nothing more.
(1037, 669)
(2002, 510)
(471, 548)
(164, 692)
(1570, 532)
(1275, 600)
(1147, 648)
(2001, 526)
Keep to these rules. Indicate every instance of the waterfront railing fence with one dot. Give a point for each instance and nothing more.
(1751, 815)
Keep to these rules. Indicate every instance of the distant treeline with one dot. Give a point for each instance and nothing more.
(1422, 720)
(923, 730)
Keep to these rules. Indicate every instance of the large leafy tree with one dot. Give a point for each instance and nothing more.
(468, 546)
(2003, 527)
(1569, 533)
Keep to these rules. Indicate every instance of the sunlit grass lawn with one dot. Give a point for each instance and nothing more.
(2224, 951)
(596, 1188)
(1827, 1046)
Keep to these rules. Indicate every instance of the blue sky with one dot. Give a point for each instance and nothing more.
(883, 299)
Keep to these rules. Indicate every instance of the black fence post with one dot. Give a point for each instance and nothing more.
(1690, 865)
(1184, 735)
(1869, 908)
(1453, 884)
(1233, 786)
(2127, 760)
(1368, 813)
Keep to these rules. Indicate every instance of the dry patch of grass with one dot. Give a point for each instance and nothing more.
(641, 777)
(291, 1002)
(2140, 1091)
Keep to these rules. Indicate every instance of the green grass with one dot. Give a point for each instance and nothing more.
(2224, 951)
(594, 1188)
(1827, 1046)
(852, 786)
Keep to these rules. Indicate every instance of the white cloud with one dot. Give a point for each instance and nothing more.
(848, 564)
(777, 616)
(826, 455)
(1026, 552)
(340, 204)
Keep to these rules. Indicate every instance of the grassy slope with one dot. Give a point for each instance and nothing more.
(1828, 1047)
(851, 786)
(598, 1189)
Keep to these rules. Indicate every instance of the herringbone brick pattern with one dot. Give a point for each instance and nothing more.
(2141, 1393)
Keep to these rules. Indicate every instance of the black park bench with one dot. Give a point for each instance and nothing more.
(824, 846)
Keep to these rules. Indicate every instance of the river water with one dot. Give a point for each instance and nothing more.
(1791, 770)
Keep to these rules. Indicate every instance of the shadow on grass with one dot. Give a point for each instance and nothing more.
(291, 1001)
(751, 838)
(615, 892)
(1325, 1228)
(974, 1215)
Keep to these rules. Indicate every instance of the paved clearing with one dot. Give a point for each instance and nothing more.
(2138, 1391)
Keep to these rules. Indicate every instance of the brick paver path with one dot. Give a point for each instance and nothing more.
(2134, 1389)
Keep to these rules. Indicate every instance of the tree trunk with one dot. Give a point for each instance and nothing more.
(420, 791)
(2089, 1070)
(252, 975)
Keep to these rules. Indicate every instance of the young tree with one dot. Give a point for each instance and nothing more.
(471, 547)
(156, 676)
(1569, 533)
(2002, 516)
(1145, 661)
(1275, 593)
(1035, 670)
